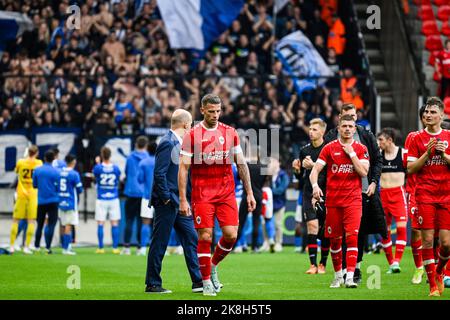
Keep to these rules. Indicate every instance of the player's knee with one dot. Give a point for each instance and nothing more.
(231, 237)
(204, 236)
(445, 244)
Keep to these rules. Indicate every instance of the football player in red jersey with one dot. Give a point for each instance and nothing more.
(442, 66)
(428, 157)
(347, 161)
(208, 150)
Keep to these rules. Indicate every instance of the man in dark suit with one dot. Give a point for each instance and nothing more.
(372, 220)
(165, 200)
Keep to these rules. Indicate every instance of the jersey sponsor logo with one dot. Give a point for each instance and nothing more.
(214, 155)
(343, 168)
(436, 160)
(337, 153)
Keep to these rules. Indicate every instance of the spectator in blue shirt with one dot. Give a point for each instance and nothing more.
(134, 191)
(46, 181)
(280, 183)
(145, 176)
(120, 104)
(70, 187)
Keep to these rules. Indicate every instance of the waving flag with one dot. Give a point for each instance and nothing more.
(195, 24)
(12, 25)
(300, 59)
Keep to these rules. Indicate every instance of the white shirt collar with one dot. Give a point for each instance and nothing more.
(180, 140)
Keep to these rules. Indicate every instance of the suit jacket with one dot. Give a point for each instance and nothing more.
(165, 178)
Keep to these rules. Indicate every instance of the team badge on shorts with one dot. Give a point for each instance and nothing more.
(198, 220)
(221, 140)
(420, 220)
(329, 230)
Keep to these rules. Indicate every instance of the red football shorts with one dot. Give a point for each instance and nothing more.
(340, 219)
(394, 204)
(434, 216)
(226, 212)
(413, 211)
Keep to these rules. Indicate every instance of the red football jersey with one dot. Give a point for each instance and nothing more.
(432, 181)
(212, 152)
(344, 186)
(410, 178)
(443, 58)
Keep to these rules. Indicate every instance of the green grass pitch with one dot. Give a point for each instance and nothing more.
(263, 276)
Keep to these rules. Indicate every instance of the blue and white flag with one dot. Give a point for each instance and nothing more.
(301, 59)
(12, 25)
(195, 24)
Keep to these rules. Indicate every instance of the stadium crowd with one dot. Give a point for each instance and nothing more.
(117, 74)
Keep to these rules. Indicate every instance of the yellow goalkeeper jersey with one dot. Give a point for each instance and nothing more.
(24, 169)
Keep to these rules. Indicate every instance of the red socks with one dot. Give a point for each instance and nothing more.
(400, 243)
(204, 258)
(223, 248)
(430, 267)
(387, 246)
(336, 253)
(442, 261)
(416, 247)
(352, 252)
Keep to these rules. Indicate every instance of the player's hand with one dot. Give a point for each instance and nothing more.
(185, 210)
(371, 189)
(431, 144)
(296, 165)
(348, 149)
(251, 203)
(317, 192)
(440, 147)
(308, 163)
(313, 202)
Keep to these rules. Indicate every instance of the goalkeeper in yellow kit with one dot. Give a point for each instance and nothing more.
(27, 198)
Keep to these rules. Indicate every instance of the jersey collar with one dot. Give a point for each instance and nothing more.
(210, 129)
(433, 134)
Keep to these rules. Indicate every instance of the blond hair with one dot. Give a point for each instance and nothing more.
(322, 124)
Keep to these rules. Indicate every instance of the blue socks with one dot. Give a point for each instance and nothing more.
(298, 241)
(67, 238)
(270, 228)
(100, 236)
(115, 236)
(146, 233)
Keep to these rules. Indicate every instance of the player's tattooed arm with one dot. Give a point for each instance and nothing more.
(244, 174)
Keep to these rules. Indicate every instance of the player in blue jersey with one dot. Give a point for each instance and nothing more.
(145, 176)
(134, 191)
(46, 180)
(58, 163)
(107, 177)
(70, 187)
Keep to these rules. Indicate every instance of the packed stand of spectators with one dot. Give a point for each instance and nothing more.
(117, 73)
